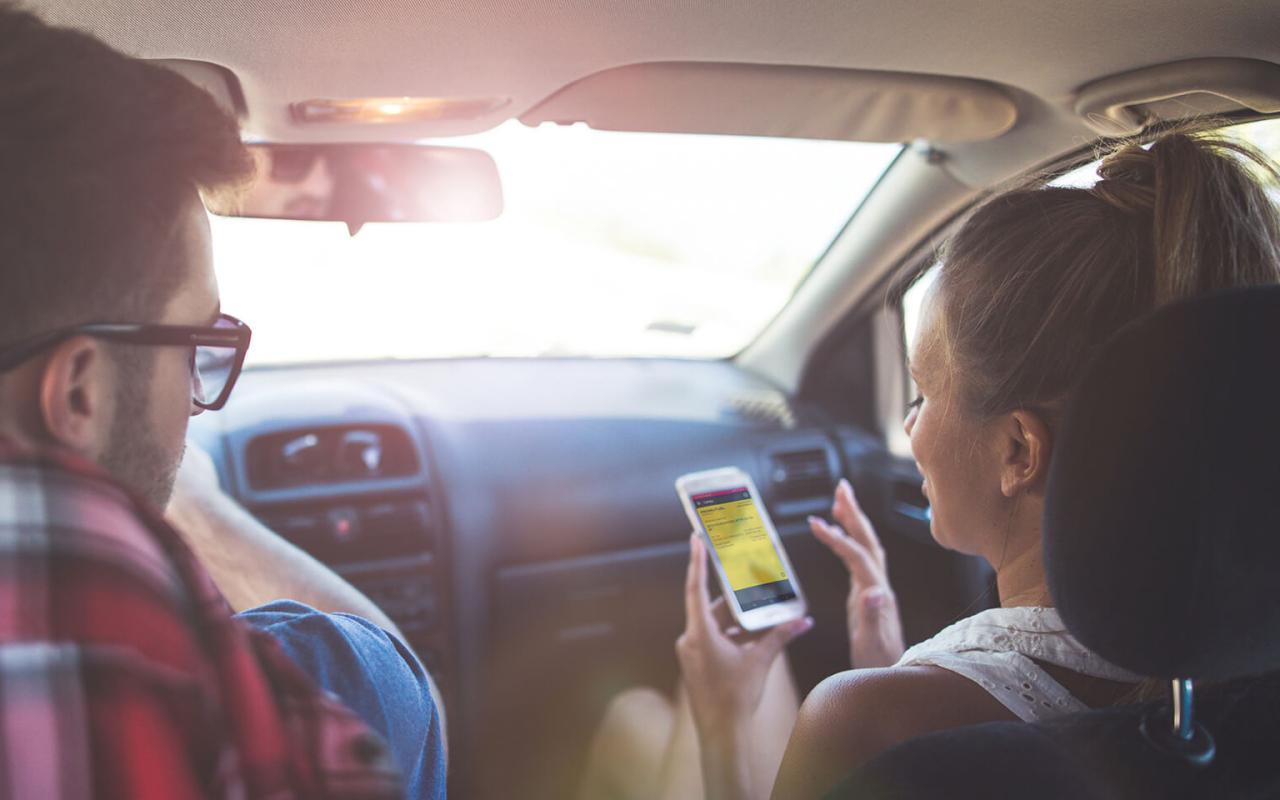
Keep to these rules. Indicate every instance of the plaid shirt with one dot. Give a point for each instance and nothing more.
(123, 674)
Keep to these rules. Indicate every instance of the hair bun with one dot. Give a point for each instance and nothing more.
(1128, 180)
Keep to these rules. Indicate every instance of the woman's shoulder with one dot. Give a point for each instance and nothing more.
(853, 716)
(905, 700)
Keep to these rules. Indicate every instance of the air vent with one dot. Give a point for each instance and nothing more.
(802, 474)
(333, 454)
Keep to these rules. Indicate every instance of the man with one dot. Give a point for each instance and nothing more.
(104, 160)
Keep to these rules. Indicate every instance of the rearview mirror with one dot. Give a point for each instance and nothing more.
(359, 183)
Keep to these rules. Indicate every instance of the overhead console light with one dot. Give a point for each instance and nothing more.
(383, 110)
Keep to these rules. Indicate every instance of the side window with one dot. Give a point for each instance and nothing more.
(913, 303)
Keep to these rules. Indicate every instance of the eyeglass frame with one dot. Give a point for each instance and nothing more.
(147, 334)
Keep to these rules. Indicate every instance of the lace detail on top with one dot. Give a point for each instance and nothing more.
(995, 648)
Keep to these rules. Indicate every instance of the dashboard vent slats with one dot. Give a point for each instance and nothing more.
(330, 454)
(802, 474)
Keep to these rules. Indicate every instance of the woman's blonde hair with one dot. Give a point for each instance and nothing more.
(1037, 279)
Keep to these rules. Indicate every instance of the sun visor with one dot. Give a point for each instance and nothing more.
(1127, 104)
(800, 102)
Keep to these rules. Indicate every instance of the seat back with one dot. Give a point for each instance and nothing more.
(1162, 520)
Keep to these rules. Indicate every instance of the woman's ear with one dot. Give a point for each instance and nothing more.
(74, 390)
(1026, 447)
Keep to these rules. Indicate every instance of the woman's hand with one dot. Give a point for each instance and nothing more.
(724, 671)
(724, 667)
(875, 628)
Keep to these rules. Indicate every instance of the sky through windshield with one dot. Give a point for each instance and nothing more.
(611, 244)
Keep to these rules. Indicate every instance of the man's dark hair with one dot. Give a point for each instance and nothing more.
(98, 155)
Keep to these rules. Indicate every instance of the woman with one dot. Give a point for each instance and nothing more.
(1028, 290)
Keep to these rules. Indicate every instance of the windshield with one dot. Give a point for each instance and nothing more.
(610, 244)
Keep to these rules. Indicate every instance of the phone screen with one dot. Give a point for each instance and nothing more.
(742, 544)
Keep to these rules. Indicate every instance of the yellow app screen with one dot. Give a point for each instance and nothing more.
(743, 546)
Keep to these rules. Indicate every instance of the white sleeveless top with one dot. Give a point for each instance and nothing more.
(995, 648)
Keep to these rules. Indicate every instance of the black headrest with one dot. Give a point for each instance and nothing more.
(1162, 521)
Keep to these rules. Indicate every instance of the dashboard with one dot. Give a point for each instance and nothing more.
(517, 519)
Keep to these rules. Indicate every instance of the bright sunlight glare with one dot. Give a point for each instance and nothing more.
(610, 244)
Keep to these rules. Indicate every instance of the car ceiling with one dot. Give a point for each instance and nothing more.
(294, 50)
(1037, 57)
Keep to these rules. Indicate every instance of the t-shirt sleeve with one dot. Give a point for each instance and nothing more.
(375, 674)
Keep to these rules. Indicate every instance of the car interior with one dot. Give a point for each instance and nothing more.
(658, 238)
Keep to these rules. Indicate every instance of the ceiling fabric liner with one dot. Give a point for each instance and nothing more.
(803, 102)
(285, 51)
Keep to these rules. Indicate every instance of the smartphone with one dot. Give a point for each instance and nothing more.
(758, 581)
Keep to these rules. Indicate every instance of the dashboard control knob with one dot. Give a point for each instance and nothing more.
(344, 524)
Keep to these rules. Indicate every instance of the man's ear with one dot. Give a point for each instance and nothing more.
(75, 389)
(1025, 449)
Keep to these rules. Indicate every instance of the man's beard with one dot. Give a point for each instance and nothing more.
(134, 455)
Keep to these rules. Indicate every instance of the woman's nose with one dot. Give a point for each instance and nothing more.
(910, 422)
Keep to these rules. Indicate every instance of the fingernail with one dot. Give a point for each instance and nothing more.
(874, 601)
(806, 624)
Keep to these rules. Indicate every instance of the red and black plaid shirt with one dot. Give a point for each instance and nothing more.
(123, 673)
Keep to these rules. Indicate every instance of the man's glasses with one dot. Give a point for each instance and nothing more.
(217, 351)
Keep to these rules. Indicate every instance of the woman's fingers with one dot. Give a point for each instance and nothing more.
(875, 630)
(722, 614)
(849, 514)
(862, 566)
(769, 645)
(697, 607)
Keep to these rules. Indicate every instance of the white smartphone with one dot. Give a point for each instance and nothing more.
(759, 584)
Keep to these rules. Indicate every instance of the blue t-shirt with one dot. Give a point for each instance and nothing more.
(375, 674)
